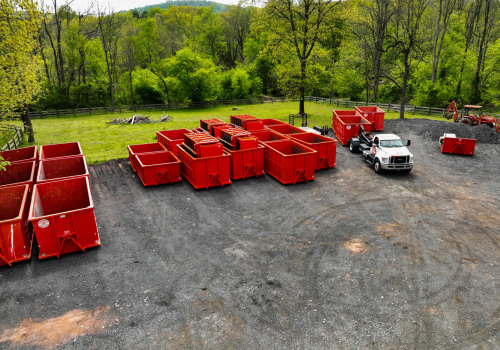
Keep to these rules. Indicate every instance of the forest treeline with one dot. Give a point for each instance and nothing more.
(426, 52)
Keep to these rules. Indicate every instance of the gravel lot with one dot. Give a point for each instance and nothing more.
(352, 260)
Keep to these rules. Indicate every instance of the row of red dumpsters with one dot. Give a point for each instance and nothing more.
(45, 194)
(216, 153)
(346, 124)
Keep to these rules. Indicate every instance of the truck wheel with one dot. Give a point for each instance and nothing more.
(377, 166)
(352, 148)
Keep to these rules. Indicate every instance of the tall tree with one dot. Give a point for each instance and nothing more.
(408, 40)
(301, 24)
(445, 9)
(19, 59)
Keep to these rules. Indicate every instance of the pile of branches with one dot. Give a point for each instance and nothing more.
(140, 119)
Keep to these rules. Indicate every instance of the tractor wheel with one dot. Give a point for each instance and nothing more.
(352, 148)
(377, 167)
(466, 121)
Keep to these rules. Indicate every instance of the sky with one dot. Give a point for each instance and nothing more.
(120, 5)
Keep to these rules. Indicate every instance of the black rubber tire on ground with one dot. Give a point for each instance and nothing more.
(377, 167)
(352, 148)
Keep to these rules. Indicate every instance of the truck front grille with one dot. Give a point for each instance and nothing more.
(400, 159)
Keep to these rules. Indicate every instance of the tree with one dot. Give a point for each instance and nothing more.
(19, 59)
(445, 9)
(408, 40)
(300, 24)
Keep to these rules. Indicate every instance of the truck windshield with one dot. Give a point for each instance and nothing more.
(391, 143)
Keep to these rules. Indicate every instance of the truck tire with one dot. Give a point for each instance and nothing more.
(352, 147)
(377, 167)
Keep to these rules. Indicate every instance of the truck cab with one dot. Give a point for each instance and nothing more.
(383, 151)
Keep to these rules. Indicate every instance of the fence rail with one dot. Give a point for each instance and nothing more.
(389, 107)
(154, 107)
(16, 140)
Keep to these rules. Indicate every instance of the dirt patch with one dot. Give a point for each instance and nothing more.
(57, 331)
(358, 246)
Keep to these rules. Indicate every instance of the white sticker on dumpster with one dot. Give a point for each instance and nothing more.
(348, 127)
(43, 223)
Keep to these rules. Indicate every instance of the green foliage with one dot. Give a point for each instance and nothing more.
(3, 163)
(19, 60)
(198, 76)
(218, 7)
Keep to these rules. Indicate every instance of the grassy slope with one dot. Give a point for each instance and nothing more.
(101, 141)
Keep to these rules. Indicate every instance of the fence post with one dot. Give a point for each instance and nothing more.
(90, 110)
(389, 107)
(428, 110)
(104, 107)
(57, 112)
(414, 108)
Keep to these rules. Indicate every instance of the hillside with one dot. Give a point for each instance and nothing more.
(218, 7)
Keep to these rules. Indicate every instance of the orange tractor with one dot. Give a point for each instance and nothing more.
(465, 116)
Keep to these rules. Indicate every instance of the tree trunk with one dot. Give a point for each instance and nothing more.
(302, 87)
(405, 86)
(28, 126)
(131, 88)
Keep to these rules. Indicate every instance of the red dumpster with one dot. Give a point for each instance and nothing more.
(266, 122)
(205, 172)
(267, 135)
(16, 239)
(26, 154)
(342, 113)
(289, 162)
(158, 168)
(133, 150)
(285, 129)
(70, 149)
(62, 214)
(61, 168)
(202, 145)
(458, 145)
(325, 146)
(22, 173)
(209, 124)
(374, 115)
(347, 127)
(238, 139)
(247, 122)
(171, 138)
(217, 129)
(246, 162)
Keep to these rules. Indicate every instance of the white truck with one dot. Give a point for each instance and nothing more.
(383, 151)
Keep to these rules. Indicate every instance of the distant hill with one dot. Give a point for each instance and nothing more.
(218, 7)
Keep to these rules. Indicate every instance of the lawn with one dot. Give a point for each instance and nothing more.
(101, 141)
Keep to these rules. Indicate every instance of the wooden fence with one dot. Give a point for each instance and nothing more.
(16, 139)
(155, 107)
(388, 107)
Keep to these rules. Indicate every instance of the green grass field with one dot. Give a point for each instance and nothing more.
(101, 141)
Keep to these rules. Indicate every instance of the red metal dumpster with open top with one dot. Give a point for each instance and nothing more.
(347, 127)
(134, 150)
(62, 214)
(247, 162)
(171, 138)
(325, 146)
(374, 115)
(266, 122)
(458, 145)
(205, 172)
(285, 129)
(25, 154)
(158, 168)
(267, 135)
(16, 238)
(22, 173)
(61, 168)
(289, 162)
(58, 150)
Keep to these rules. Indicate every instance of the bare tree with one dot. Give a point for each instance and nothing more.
(445, 9)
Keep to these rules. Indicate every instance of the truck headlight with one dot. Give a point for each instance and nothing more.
(411, 159)
(385, 160)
